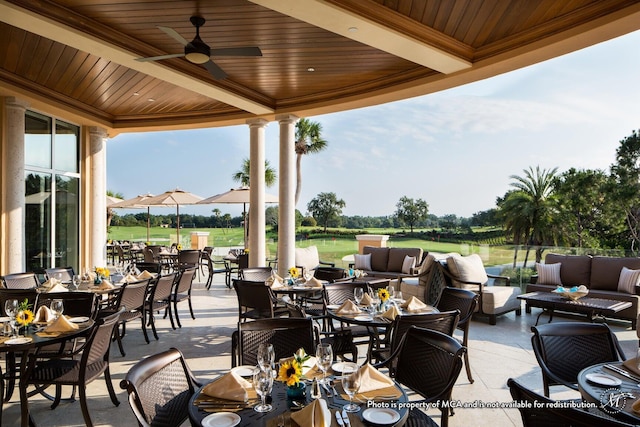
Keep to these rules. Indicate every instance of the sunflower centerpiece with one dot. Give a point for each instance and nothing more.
(101, 274)
(24, 314)
(290, 373)
(294, 275)
(383, 294)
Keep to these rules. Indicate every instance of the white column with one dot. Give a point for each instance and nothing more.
(13, 187)
(97, 195)
(287, 188)
(257, 229)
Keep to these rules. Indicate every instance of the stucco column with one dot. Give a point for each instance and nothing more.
(287, 189)
(13, 185)
(257, 243)
(98, 196)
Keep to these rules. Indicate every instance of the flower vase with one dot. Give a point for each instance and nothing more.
(97, 280)
(296, 391)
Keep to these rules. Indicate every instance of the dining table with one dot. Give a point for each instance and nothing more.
(613, 388)
(29, 342)
(381, 403)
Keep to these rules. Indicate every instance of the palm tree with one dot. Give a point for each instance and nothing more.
(529, 210)
(243, 175)
(110, 212)
(308, 141)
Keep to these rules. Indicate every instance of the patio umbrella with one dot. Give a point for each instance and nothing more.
(235, 196)
(175, 198)
(113, 200)
(137, 202)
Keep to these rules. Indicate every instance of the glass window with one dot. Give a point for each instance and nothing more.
(38, 220)
(66, 221)
(66, 144)
(37, 140)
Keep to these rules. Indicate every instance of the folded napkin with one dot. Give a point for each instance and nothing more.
(315, 414)
(413, 304)
(366, 300)
(145, 275)
(371, 379)
(50, 283)
(129, 278)
(313, 283)
(44, 315)
(105, 285)
(348, 307)
(230, 386)
(632, 365)
(636, 406)
(275, 281)
(391, 313)
(57, 288)
(61, 325)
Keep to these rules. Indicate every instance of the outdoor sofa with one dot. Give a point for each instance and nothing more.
(388, 263)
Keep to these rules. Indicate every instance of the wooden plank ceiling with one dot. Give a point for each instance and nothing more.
(77, 58)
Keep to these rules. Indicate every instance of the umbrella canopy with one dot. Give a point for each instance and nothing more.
(137, 202)
(175, 198)
(238, 195)
(113, 200)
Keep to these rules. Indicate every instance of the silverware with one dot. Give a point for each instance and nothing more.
(332, 384)
(345, 418)
(339, 418)
(622, 372)
(326, 388)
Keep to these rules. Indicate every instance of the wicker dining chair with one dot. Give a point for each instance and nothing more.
(182, 292)
(256, 300)
(160, 387)
(64, 274)
(20, 281)
(159, 299)
(256, 274)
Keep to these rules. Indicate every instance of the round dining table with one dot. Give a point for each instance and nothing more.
(284, 406)
(32, 340)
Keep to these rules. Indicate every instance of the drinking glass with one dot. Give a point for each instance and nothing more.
(262, 383)
(57, 306)
(324, 357)
(10, 309)
(392, 291)
(266, 356)
(76, 280)
(350, 384)
(358, 293)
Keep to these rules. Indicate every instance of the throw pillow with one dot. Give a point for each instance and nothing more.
(549, 274)
(628, 281)
(467, 269)
(427, 262)
(408, 264)
(363, 262)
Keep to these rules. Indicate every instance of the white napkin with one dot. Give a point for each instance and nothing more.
(129, 278)
(313, 283)
(230, 386)
(391, 313)
(371, 379)
(61, 325)
(44, 315)
(105, 285)
(145, 275)
(51, 282)
(413, 304)
(58, 288)
(348, 307)
(315, 414)
(366, 300)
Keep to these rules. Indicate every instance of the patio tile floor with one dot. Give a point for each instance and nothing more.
(497, 353)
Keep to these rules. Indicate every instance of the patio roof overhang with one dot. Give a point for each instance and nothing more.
(77, 59)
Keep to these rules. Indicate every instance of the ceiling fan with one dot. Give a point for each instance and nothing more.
(198, 52)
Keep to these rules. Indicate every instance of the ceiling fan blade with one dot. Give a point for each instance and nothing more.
(174, 35)
(216, 71)
(157, 58)
(237, 51)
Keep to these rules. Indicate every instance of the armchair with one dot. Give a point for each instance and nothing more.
(309, 259)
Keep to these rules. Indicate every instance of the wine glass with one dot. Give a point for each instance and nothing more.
(262, 383)
(324, 357)
(392, 292)
(10, 309)
(266, 356)
(358, 293)
(57, 306)
(350, 384)
(76, 280)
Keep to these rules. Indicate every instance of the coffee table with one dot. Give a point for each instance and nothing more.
(592, 307)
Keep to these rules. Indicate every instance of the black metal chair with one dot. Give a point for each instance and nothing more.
(563, 349)
(330, 274)
(182, 291)
(216, 267)
(159, 389)
(64, 274)
(256, 301)
(151, 267)
(159, 298)
(20, 281)
(466, 302)
(255, 274)
(428, 362)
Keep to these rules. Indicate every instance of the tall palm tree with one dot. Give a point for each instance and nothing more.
(308, 141)
(243, 175)
(529, 210)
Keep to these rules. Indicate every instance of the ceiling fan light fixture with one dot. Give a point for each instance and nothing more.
(197, 51)
(197, 57)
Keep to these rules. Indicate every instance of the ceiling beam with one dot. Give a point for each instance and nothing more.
(56, 31)
(355, 25)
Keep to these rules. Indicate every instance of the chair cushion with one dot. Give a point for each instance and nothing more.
(426, 263)
(628, 281)
(307, 258)
(467, 269)
(362, 262)
(549, 274)
(408, 264)
(379, 257)
(500, 299)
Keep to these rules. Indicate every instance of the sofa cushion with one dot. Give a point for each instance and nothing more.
(605, 271)
(379, 258)
(575, 270)
(307, 258)
(628, 281)
(549, 274)
(408, 264)
(426, 263)
(396, 257)
(467, 269)
(362, 262)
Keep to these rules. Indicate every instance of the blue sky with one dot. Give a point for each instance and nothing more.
(454, 149)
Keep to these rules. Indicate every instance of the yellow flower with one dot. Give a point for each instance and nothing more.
(102, 271)
(179, 247)
(290, 372)
(24, 317)
(293, 272)
(383, 294)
